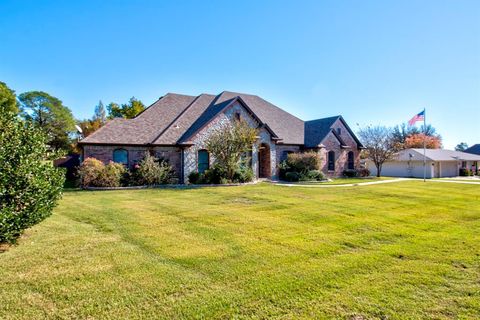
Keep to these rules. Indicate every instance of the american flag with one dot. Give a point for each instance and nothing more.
(417, 117)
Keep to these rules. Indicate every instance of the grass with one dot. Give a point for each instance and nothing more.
(344, 181)
(399, 250)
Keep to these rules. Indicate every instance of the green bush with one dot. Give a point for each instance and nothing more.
(303, 162)
(194, 177)
(243, 174)
(216, 175)
(29, 184)
(313, 175)
(350, 173)
(465, 172)
(152, 171)
(292, 176)
(94, 173)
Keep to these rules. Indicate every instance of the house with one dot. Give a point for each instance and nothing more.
(176, 127)
(439, 162)
(475, 149)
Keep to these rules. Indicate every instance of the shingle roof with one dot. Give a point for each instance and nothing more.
(475, 149)
(175, 118)
(436, 155)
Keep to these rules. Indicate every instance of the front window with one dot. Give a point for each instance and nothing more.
(203, 161)
(351, 160)
(331, 161)
(120, 156)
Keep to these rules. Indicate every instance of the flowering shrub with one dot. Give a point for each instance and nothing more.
(301, 166)
(152, 171)
(94, 173)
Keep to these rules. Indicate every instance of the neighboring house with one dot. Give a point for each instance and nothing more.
(176, 128)
(475, 149)
(440, 163)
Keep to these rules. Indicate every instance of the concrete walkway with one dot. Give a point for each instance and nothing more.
(341, 185)
(367, 183)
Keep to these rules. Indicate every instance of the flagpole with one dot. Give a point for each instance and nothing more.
(424, 145)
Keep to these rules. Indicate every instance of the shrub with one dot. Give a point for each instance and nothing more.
(350, 173)
(313, 175)
(152, 171)
(215, 175)
(29, 184)
(303, 162)
(465, 172)
(243, 174)
(363, 172)
(292, 176)
(194, 177)
(94, 173)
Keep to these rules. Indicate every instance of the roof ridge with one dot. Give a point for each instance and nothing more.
(175, 119)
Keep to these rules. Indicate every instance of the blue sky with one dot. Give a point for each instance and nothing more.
(374, 62)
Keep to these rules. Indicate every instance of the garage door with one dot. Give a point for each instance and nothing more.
(449, 169)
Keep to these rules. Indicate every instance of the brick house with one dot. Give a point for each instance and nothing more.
(176, 127)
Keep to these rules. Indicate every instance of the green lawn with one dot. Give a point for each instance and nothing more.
(397, 251)
(343, 181)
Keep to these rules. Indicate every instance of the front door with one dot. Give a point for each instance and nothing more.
(265, 170)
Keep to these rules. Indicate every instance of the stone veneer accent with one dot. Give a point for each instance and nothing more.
(199, 140)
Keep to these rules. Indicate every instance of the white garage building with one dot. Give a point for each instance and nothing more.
(440, 163)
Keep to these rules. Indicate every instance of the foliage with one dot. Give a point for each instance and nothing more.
(312, 175)
(363, 172)
(152, 171)
(303, 162)
(243, 174)
(100, 114)
(29, 184)
(350, 173)
(306, 165)
(94, 173)
(8, 100)
(49, 114)
(405, 136)
(417, 140)
(228, 143)
(292, 176)
(89, 126)
(194, 177)
(379, 145)
(464, 172)
(462, 146)
(127, 110)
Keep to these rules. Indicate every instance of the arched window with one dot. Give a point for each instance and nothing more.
(331, 160)
(120, 156)
(351, 160)
(203, 161)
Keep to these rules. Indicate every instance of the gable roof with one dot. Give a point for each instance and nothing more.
(317, 130)
(174, 119)
(436, 155)
(475, 149)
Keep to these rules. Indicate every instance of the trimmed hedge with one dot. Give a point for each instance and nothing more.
(30, 185)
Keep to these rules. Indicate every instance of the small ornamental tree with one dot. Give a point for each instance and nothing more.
(380, 145)
(229, 143)
(29, 184)
(417, 141)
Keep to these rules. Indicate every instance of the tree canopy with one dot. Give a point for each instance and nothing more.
(405, 136)
(229, 143)
(49, 114)
(380, 145)
(8, 100)
(462, 146)
(127, 110)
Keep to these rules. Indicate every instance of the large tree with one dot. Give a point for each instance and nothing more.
(100, 114)
(127, 110)
(380, 146)
(49, 114)
(8, 100)
(229, 143)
